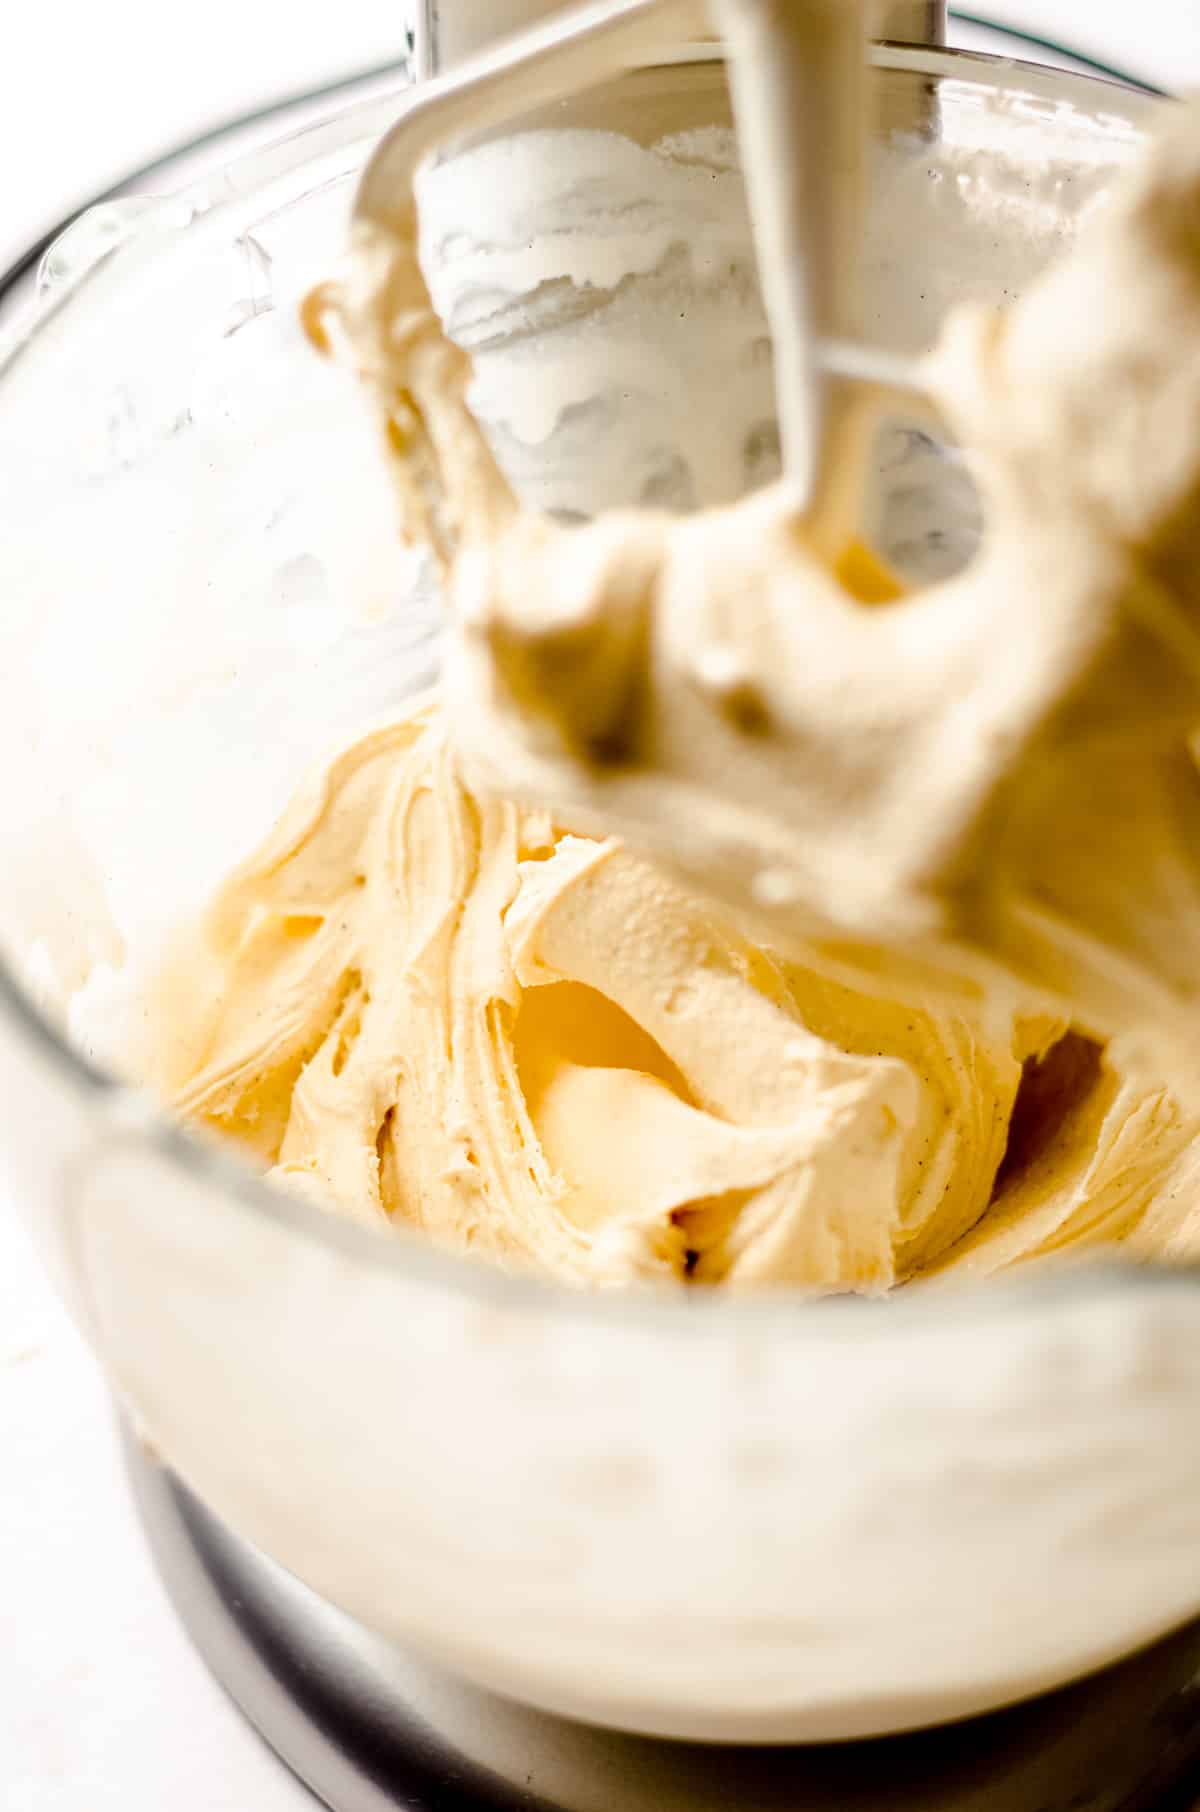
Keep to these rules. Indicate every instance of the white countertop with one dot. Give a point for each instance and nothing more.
(103, 1705)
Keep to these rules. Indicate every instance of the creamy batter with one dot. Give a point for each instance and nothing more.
(960, 822)
(433, 1006)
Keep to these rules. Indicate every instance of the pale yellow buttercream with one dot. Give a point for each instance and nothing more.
(961, 827)
(426, 1005)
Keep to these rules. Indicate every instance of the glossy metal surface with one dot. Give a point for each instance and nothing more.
(445, 31)
(912, 21)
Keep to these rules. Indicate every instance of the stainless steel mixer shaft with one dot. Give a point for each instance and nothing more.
(446, 31)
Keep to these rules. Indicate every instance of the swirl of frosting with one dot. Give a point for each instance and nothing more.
(425, 1005)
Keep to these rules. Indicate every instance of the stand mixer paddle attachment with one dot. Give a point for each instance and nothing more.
(800, 84)
(886, 787)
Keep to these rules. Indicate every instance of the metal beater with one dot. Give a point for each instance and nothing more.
(799, 80)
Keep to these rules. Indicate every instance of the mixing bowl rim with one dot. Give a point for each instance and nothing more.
(362, 86)
(203, 1159)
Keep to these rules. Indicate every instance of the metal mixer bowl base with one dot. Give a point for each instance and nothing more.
(369, 1728)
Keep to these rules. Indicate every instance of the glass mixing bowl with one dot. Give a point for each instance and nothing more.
(751, 1519)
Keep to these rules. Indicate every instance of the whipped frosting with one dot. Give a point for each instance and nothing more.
(990, 779)
(426, 1005)
(892, 1017)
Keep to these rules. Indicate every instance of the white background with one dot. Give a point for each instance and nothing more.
(103, 1707)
